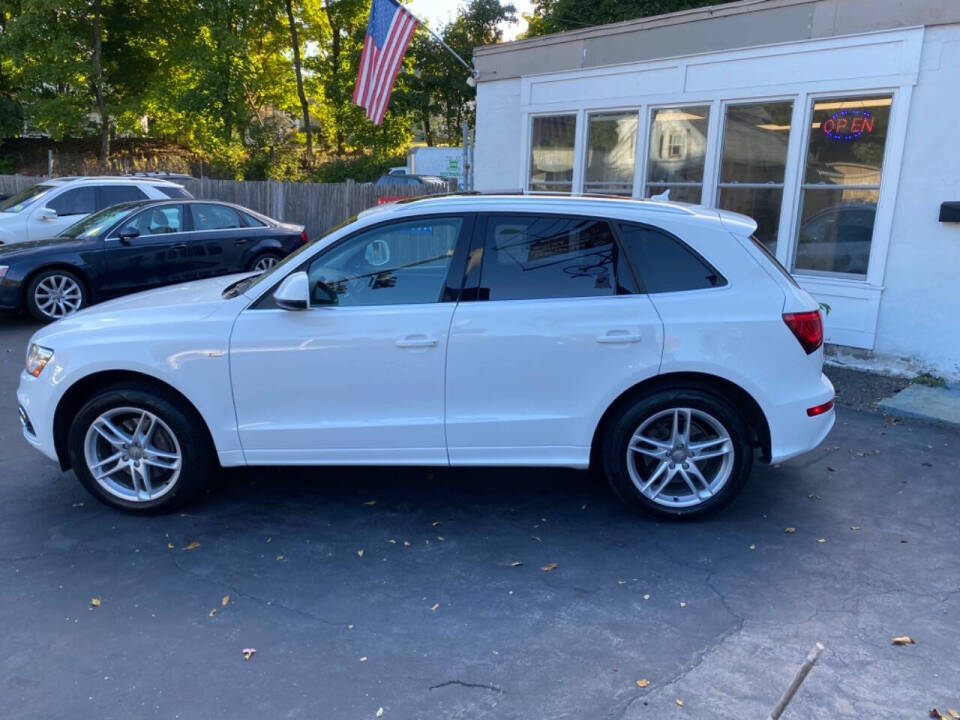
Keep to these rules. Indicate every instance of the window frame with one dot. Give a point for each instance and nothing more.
(710, 154)
(588, 116)
(453, 283)
(473, 278)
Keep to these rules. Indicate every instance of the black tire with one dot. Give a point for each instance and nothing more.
(73, 286)
(265, 256)
(735, 464)
(197, 465)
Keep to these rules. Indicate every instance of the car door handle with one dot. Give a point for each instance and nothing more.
(241, 241)
(619, 336)
(179, 246)
(416, 341)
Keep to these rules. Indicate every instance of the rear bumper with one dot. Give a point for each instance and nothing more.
(792, 431)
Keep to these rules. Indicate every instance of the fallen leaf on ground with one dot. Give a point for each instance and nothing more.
(583, 507)
(225, 600)
(854, 527)
(643, 682)
(621, 582)
(249, 653)
(392, 541)
(370, 502)
(380, 712)
(753, 547)
(647, 596)
(406, 543)
(212, 612)
(790, 530)
(359, 553)
(682, 604)
(441, 538)
(435, 523)
(279, 557)
(95, 602)
(363, 659)
(170, 545)
(830, 469)
(548, 567)
(192, 546)
(821, 540)
(954, 714)
(903, 640)
(534, 537)
(435, 606)
(516, 563)
(679, 702)
(269, 539)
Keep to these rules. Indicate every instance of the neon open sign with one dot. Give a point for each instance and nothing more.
(847, 125)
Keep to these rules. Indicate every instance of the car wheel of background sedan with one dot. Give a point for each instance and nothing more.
(54, 294)
(135, 449)
(264, 262)
(678, 453)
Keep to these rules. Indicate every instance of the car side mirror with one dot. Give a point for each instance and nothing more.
(128, 234)
(294, 292)
(47, 214)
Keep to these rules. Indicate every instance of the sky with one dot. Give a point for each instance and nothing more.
(439, 12)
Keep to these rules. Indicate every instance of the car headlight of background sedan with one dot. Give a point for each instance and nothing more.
(37, 359)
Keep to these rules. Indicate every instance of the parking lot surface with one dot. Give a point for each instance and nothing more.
(409, 593)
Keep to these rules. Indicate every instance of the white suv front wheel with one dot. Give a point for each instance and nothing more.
(677, 453)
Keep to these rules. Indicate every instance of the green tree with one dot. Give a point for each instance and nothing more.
(552, 16)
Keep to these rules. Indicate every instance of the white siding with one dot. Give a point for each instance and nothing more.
(499, 154)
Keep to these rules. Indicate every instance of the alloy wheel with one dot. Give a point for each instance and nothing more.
(265, 263)
(58, 296)
(680, 457)
(132, 454)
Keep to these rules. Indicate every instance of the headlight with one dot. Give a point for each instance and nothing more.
(3, 269)
(37, 359)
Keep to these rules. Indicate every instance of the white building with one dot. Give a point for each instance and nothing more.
(831, 122)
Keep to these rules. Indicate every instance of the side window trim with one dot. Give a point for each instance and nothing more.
(458, 260)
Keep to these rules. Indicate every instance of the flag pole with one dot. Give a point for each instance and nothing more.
(468, 66)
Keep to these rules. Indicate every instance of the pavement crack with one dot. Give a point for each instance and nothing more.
(461, 683)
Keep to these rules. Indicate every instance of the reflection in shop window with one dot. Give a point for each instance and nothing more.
(842, 184)
(754, 160)
(611, 153)
(678, 147)
(551, 153)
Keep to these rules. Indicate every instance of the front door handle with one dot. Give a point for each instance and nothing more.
(179, 246)
(240, 241)
(619, 336)
(417, 341)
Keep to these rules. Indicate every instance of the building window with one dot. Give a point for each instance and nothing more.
(611, 153)
(678, 147)
(841, 184)
(753, 164)
(551, 153)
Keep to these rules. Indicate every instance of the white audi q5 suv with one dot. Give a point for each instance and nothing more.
(655, 340)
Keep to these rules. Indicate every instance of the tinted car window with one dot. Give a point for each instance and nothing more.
(113, 194)
(528, 257)
(156, 221)
(250, 221)
(664, 263)
(24, 198)
(398, 264)
(214, 217)
(171, 191)
(78, 201)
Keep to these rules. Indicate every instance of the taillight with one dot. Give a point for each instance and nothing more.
(303, 237)
(807, 327)
(820, 409)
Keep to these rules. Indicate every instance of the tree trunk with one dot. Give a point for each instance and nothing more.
(104, 155)
(305, 107)
(427, 130)
(340, 138)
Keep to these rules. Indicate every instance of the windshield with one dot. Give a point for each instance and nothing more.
(24, 198)
(99, 222)
(243, 285)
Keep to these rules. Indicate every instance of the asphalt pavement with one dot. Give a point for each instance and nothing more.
(414, 593)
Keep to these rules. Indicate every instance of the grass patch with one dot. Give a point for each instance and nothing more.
(930, 380)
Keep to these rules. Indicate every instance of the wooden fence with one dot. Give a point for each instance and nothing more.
(318, 206)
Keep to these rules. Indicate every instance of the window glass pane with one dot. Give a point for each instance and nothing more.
(551, 153)
(836, 227)
(755, 143)
(847, 137)
(156, 221)
(113, 194)
(678, 144)
(79, 201)
(678, 193)
(611, 153)
(250, 221)
(548, 257)
(762, 204)
(665, 264)
(214, 217)
(171, 191)
(399, 264)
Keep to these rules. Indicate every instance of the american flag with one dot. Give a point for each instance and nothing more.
(389, 32)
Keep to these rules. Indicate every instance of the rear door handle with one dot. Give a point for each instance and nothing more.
(417, 341)
(619, 336)
(179, 246)
(241, 241)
